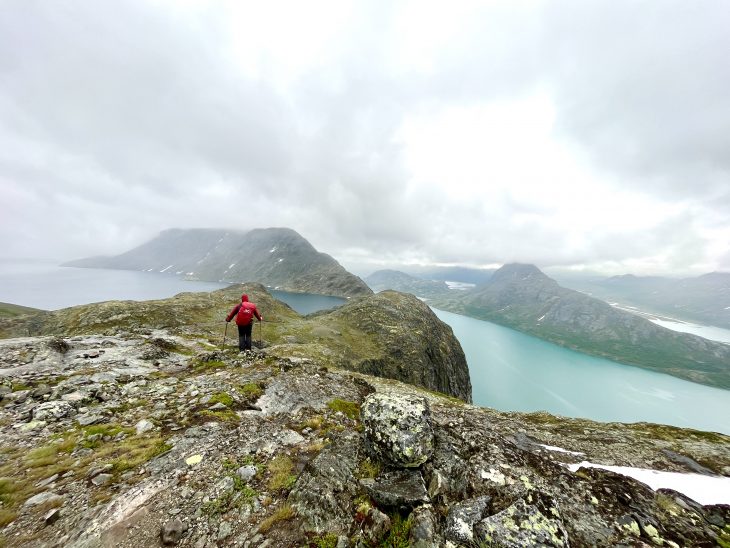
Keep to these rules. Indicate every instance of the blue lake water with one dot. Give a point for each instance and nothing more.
(513, 371)
(48, 286)
(509, 370)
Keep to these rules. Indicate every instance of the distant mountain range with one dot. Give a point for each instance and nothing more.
(705, 299)
(400, 281)
(277, 257)
(461, 274)
(522, 297)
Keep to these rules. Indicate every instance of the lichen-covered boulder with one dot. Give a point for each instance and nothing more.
(463, 516)
(53, 411)
(398, 428)
(522, 526)
(323, 494)
(401, 489)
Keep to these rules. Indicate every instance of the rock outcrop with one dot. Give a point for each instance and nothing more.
(415, 346)
(265, 449)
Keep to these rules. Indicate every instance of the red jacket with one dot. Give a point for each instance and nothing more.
(244, 312)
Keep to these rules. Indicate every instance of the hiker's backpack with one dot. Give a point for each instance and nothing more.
(245, 314)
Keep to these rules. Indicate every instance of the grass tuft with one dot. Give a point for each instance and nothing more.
(7, 517)
(282, 513)
(282, 476)
(400, 531)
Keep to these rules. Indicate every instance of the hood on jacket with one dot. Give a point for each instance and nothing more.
(244, 298)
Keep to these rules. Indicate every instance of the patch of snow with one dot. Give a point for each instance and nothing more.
(272, 249)
(178, 272)
(560, 449)
(704, 489)
(190, 273)
(541, 317)
(279, 260)
(727, 308)
(166, 269)
(462, 286)
(231, 266)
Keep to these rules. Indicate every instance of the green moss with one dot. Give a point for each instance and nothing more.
(202, 366)
(221, 397)
(224, 415)
(723, 539)
(327, 540)
(252, 390)
(350, 409)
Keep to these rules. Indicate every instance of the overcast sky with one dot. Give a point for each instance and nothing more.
(588, 134)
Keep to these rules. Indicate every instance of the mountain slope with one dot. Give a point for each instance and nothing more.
(400, 281)
(522, 297)
(8, 310)
(277, 257)
(704, 299)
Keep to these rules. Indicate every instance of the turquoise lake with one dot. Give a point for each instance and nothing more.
(509, 370)
(513, 371)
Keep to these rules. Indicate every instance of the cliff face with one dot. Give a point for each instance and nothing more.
(521, 296)
(417, 347)
(277, 257)
(135, 439)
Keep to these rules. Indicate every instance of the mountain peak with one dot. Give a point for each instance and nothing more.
(518, 272)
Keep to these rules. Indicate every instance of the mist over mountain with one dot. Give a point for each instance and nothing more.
(522, 297)
(400, 281)
(277, 257)
(704, 299)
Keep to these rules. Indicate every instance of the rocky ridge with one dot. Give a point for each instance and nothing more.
(390, 334)
(277, 257)
(157, 438)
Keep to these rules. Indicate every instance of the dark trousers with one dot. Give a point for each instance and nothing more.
(244, 337)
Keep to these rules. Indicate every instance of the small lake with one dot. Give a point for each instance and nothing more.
(509, 370)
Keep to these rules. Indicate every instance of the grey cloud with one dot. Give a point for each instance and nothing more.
(122, 121)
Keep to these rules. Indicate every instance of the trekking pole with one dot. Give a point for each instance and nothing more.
(261, 343)
(224, 337)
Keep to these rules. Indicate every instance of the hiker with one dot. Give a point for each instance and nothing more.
(244, 313)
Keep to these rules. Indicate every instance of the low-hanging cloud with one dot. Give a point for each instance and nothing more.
(483, 133)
